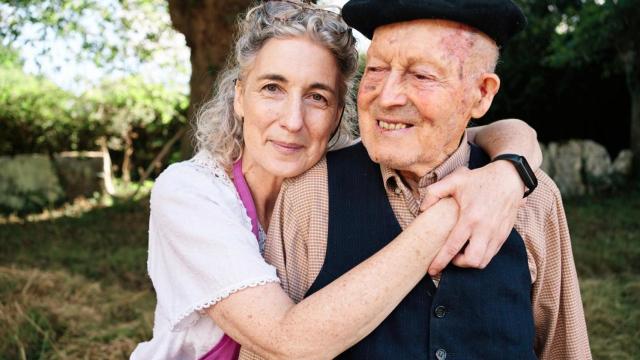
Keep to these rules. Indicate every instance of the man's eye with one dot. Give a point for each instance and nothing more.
(424, 77)
(374, 69)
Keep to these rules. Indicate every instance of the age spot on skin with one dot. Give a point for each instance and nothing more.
(370, 88)
(457, 46)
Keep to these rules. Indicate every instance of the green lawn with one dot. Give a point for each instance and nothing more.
(74, 285)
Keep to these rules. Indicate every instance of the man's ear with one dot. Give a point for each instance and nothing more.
(488, 86)
(237, 99)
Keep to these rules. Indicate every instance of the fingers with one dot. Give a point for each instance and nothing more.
(452, 246)
(435, 192)
(476, 255)
(429, 200)
(481, 249)
(442, 189)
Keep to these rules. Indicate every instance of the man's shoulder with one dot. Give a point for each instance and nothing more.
(351, 156)
(309, 178)
(545, 197)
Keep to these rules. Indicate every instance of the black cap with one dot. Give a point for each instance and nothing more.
(499, 19)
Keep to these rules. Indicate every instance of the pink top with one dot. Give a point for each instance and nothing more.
(227, 348)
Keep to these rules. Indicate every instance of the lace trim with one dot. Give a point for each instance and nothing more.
(205, 160)
(178, 324)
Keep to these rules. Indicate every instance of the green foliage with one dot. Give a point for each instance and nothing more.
(132, 103)
(36, 115)
(596, 31)
(9, 58)
(562, 91)
(113, 34)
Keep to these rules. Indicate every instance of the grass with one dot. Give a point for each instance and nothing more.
(605, 232)
(73, 282)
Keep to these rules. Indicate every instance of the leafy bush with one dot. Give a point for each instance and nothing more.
(137, 117)
(134, 118)
(36, 116)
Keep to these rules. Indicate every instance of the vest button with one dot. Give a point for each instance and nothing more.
(441, 354)
(440, 311)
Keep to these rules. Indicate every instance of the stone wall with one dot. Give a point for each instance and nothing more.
(584, 167)
(32, 182)
(28, 183)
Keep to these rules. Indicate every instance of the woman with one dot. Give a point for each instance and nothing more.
(277, 105)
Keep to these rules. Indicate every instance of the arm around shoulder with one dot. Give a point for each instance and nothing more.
(508, 136)
(325, 324)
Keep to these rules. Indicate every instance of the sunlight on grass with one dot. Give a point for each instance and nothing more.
(77, 207)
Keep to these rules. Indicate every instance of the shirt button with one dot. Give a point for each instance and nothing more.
(440, 311)
(397, 191)
(441, 354)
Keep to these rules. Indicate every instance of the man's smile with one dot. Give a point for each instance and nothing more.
(392, 125)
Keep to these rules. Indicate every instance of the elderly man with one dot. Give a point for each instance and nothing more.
(430, 69)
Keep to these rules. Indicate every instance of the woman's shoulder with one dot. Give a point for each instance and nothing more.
(200, 177)
(200, 171)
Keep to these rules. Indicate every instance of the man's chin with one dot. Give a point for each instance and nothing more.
(396, 160)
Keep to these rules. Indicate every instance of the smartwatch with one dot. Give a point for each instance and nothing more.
(524, 170)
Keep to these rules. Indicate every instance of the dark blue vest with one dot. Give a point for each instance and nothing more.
(473, 314)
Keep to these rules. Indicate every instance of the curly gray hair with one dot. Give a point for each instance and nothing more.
(218, 128)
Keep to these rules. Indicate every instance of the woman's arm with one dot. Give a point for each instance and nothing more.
(331, 320)
(495, 189)
(509, 136)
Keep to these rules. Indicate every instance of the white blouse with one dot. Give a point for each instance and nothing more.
(201, 250)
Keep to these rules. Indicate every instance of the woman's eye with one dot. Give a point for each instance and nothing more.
(318, 97)
(271, 87)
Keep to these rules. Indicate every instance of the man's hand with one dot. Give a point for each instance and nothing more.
(488, 198)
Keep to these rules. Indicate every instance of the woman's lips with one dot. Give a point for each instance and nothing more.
(286, 147)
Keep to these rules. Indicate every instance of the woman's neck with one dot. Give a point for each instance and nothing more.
(264, 188)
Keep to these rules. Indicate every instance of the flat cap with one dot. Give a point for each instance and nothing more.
(499, 19)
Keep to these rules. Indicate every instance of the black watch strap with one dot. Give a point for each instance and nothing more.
(524, 170)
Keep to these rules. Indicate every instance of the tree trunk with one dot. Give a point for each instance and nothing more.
(126, 159)
(635, 131)
(208, 27)
(631, 62)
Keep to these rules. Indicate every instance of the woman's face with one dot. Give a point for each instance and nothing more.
(289, 101)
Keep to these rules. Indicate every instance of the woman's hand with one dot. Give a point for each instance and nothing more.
(489, 198)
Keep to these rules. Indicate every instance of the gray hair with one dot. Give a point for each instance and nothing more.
(218, 128)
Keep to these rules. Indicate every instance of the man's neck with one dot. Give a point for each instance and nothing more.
(414, 173)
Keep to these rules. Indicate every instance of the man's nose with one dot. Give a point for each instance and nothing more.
(293, 117)
(393, 91)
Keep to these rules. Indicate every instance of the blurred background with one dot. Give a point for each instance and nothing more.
(95, 101)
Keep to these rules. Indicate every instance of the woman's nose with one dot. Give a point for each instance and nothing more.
(293, 117)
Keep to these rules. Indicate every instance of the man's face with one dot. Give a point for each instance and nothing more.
(416, 97)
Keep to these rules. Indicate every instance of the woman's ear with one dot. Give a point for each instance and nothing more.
(488, 87)
(237, 99)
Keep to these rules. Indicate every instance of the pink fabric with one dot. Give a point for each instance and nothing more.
(245, 196)
(227, 348)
